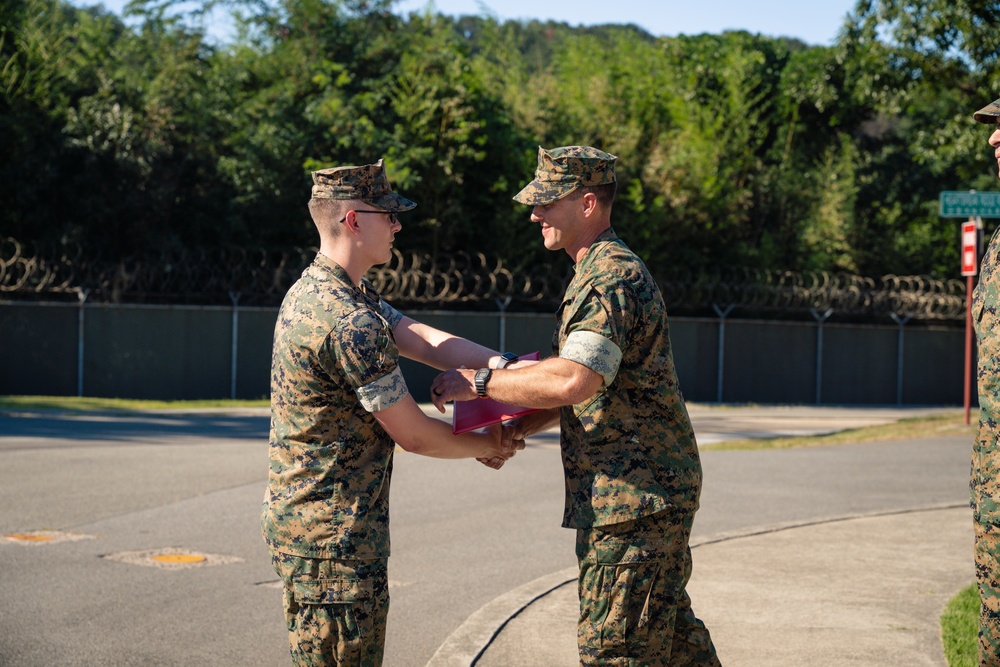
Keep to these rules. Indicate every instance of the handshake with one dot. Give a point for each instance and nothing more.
(509, 440)
(460, 385)
(506, 424)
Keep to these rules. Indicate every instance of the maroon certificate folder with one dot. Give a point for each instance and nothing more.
(480, 412)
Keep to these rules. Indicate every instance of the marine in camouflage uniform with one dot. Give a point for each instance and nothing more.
(632, 469)
(633, 474)
(334, 377)
(985, 478)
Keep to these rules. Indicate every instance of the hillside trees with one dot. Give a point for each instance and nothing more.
(124, 135)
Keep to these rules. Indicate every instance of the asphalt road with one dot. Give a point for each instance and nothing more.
(462, 534)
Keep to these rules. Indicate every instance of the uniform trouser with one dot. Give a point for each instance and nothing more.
(335, 610)
(634, 607)
(988, 578)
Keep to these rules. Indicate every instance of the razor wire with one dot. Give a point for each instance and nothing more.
(260, 277)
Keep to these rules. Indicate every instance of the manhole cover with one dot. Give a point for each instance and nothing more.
(27, 537)
(172, 558)
(178, 558)
(44, 537)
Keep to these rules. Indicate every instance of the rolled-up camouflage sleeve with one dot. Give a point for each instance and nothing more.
(366, 356)
(595, 337)
(593, 351)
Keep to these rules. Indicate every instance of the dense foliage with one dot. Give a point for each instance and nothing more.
(734, 149)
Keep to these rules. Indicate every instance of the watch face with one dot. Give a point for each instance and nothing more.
(482, 377)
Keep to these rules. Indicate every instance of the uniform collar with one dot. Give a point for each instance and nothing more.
(593, 251)
(338, 272)
(364, 292)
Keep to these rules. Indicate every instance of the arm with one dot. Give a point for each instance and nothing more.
(360, 348)
(588, 359)
(417, 433)
(440, 349)
(548, 384)
(516, 430)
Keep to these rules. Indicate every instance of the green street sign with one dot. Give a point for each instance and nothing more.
(970, 204)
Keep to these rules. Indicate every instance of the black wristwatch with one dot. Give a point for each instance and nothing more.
(506, 359)
(482, 377)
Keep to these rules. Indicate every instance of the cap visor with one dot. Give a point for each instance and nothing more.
(538, 194)
(989, 113)
(392, 203)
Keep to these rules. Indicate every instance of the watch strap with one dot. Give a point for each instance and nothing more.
(482, 377)
(506, 359)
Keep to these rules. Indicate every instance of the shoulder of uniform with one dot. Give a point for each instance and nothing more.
(360, 318)
(617, 266)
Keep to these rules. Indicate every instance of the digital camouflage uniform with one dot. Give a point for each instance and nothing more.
(632, 470)
(325, 516)
(985, 478)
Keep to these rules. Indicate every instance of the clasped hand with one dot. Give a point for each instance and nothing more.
(511, 440)
(458, 384)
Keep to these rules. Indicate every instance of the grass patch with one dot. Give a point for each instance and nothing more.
(915, 427)
(960, 628)
(88, 403)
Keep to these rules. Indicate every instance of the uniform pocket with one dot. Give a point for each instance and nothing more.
(333, 620)
(606, 415)
(617, 600)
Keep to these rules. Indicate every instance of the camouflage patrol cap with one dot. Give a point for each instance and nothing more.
(562, 170)
(366, 182)
(989, 113)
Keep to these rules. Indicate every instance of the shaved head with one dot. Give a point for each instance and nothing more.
(327, 213)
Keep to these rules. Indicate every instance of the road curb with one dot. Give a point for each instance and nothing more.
(466, 644)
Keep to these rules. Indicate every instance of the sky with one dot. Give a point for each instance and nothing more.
(815, 23)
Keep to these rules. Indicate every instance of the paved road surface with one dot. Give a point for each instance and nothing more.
(463, 535)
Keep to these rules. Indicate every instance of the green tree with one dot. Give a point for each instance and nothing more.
(36, 84)
(918, 68)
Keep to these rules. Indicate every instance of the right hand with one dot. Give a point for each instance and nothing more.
(512, 437)
(508, 446)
